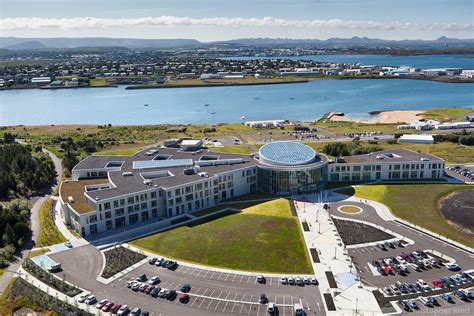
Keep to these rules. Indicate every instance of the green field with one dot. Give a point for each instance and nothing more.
(50, 234)
(447, 114)
(120, 152)
(263, 238)
(416, 203)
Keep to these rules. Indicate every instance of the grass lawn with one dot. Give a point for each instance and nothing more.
(50, 234)
(38, 252)
(264, 238)
(418, 204)
(232, 150)
(448, 114)
(98, 82)
(350, 209)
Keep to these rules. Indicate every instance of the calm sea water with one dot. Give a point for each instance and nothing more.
(423, 61)
(302, 101)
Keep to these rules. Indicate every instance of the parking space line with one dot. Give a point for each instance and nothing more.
(205, 275)
(218, 302)
(258, 309)
(271, 279)
(241, 278)
(227, 302)
(234, 277)
(226, 277)
(199, 272)
(234, 303)
(242, 307)
(210, 301)
(283, 307)
(195, 300)
(219, 276)
(248, 279)
(213, 272)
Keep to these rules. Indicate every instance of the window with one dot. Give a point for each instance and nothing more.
(405, 174)
(132, 219)
(108, 214)
(108, 225)
(179, 200)
(122, 202)
(143, 206)
(413, 174)
(366, 176)
(154, 213)
(93, 229)
(377, 175)
(153, 195)
(130, 200)
(367, 168)
(120, 222)
(107, 206)
(153, 203)
(92, 218)
(378, 167)
(119, 212)
(116, 204)
(177, 192)
(144, 216)
(355, 176)
(355, 168)
(130, 209)
(396, 167)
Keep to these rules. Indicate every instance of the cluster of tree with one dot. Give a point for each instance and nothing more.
(457, 138)
(14, 228)
(23, 170)
(348, 149)
(74, 150)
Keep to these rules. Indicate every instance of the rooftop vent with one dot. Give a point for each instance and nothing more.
(424, 159)
(70, 199)
(203, 174)
(147, 181)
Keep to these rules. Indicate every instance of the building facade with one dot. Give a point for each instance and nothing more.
(166, 184)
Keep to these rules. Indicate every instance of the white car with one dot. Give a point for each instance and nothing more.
(306, 280)
(452, 266)
(260, 278)
(284, 280)
(90, 299)
(298, 281)
(423, 284)
(83, 297)
(314, 281)
(291, 280)
(401, 260)
(68, 244)
(271, 308)
(387, 261)
(101, 303)
(123, 310)
(154, 280)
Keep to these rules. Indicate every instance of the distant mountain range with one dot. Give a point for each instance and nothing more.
(15, 43)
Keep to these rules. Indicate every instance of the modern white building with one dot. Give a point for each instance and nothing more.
(167, 184)
(453, 125)
(413, 138)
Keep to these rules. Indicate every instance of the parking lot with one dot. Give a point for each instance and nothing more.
(211, 292)
(465, 173)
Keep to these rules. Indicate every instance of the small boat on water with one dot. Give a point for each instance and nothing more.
(292, 98)
(146, 104)
(207, 104)
(213, 112)
(242, 117)
(256, 98)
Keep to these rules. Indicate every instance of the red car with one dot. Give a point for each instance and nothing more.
(148, 289)
(115, 308)
(183, 297)
(437, 283)
(388, 270)
(107, 306)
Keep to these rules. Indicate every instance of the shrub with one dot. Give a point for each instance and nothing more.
(467, 140)
(118, 259)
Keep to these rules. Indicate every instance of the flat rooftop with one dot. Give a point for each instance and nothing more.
(76, 190)
(394, 155)
(130, 178)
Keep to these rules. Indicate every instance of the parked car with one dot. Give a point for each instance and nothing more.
(423, 284)
(404, 305)
(425, 301)
(448, 298)
(291, 280)
(284, 280)
(101, 303)
(260, 279)
(437, 283)
(154, 292)
(298, 281)
(152, 260)
(136, 286)
(83, 297)
(123, 310)
(141, 277)
(162, 293)
(160, 262)
(115, 308)
(170, 295)
(459, 294)
(91, 299)
(154, 280)
(136, 312)
(271, 308)
(412, 304)
(183, 297)
(107, 307)
(149, 289)
(131, 283)
(263, 299)
(388, 291)
(185, 288)
(314, 281)
(68, 244)
(382, 246)
(143, 287)
(306, 281)
(452, 266)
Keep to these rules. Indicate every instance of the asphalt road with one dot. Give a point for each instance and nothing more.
(211, 293)
(363, 256)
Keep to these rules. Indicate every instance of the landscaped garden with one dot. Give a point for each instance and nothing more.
(118, 259)
(416, 203)
(264, 237)
(50, 234)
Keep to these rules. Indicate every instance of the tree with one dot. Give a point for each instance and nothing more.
(8, 235)
(8, 138)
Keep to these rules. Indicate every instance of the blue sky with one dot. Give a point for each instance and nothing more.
(226, 19)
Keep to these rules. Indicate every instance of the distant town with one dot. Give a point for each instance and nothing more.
(175, 68)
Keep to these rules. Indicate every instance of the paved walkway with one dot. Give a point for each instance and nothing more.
(350, 295)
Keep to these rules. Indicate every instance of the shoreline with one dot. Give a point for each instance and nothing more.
(217, 84)
(382, 117)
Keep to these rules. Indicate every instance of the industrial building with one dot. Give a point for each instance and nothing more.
(413, 138)
(167, 184)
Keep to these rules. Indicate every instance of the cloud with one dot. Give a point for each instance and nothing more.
(169, 21)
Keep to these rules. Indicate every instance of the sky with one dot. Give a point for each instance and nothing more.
(211, 20)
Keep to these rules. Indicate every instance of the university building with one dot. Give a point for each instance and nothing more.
(165, 184)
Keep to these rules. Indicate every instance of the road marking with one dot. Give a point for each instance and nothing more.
(234, 303)
(226, 277)
(195, 300)
(234, 277)
(205, 275)
(271, 280)
(284, 304)
(219, 276)
(258, 310)
(227, 302)
(241, 278)
(203, 299)
(210, 301)
(212, 275)
(218, 302)
(248, 279)
(242, 307)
